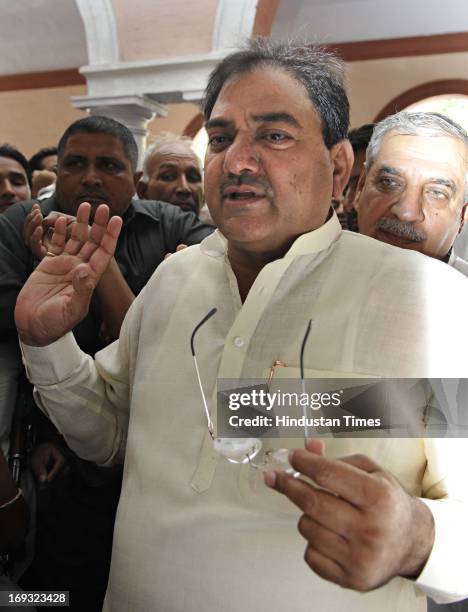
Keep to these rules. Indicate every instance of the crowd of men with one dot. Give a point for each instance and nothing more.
(120, 450)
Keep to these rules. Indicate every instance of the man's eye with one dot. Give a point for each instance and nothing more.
(437, 194)
(276, 137)
(110, 166)
(74, 163)
(218, 141)
(167, 177)
(387, 183)
(19, 181)
(194, 178)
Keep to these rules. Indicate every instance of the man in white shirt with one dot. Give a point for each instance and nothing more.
(194, 531)
(413, 192)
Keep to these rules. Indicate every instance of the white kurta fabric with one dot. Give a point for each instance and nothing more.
(194, 532)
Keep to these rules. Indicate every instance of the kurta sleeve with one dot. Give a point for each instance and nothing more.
(88, 399)
(445, 491)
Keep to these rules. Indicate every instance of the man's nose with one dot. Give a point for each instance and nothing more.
(6, 190)
(182, 185)
(91, 176)
(409, 208)
(241, 157)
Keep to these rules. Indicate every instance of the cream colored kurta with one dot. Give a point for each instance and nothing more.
(195, 533)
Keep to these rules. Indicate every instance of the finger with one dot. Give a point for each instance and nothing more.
(323, 566)
(97, 232)
(39, 468)
(101, 257)
(362, 462)
(315, 445)
(325, 508)
(167, 255)
(181, 247)
(83, 284)
(336, 475)
(51, 218)
(57, 466)
(35, 242)
(330, 544)
(79, 230)
(57, 240)
(32, 220)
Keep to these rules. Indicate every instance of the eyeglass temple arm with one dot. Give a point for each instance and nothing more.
(192, 348)
(301, 362)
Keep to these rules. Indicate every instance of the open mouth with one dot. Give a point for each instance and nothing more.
(242, 195)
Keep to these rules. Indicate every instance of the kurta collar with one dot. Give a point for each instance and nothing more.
(320, 239)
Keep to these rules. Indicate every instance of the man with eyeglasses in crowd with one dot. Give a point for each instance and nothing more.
(194, 531)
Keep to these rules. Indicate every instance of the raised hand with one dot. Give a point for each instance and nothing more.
(37, 230)
(361, 527)
(56, 296)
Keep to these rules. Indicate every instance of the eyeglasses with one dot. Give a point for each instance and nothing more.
(247, 450)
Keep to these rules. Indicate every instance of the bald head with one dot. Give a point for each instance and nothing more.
(172, 173)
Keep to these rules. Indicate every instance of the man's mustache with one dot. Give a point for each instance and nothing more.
(404, 230)
(260, 183)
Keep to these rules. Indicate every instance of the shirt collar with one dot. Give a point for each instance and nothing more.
(137, 208)
(215, 245)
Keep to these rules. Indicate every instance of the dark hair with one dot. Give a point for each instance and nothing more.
(360, 137)
(35, 162)
(7, 150)
(321, 73)
(96, 124)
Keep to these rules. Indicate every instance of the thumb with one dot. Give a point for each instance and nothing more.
(39, 469)
(82, 281)
(315, 445)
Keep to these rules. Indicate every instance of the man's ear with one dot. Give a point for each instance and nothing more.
(464, 216)
(140, 185)
(359, 188)
(343, 159)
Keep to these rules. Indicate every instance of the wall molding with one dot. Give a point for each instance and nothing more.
(167, 80)
(421, 92)
(400, 47)
(41, 80)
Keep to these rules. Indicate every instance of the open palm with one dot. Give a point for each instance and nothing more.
(56, 296)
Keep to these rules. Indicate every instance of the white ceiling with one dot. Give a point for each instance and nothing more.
(333, 21)
(40, 35)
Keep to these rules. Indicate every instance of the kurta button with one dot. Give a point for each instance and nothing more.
(239, 342)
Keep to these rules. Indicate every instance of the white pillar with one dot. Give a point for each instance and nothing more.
(133, 111)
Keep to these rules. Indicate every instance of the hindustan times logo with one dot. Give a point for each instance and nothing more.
(259, 398)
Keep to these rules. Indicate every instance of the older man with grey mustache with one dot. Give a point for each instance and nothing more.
(413, 191)
(413, 194)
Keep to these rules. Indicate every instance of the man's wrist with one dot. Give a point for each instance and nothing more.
(422, 540)
(30, 340)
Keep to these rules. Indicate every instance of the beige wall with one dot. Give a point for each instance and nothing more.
(167, 28)
(32, 119)
(179, 116)
(372, 84)
(36, 118)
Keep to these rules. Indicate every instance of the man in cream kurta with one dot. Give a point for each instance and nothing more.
(194, 532)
